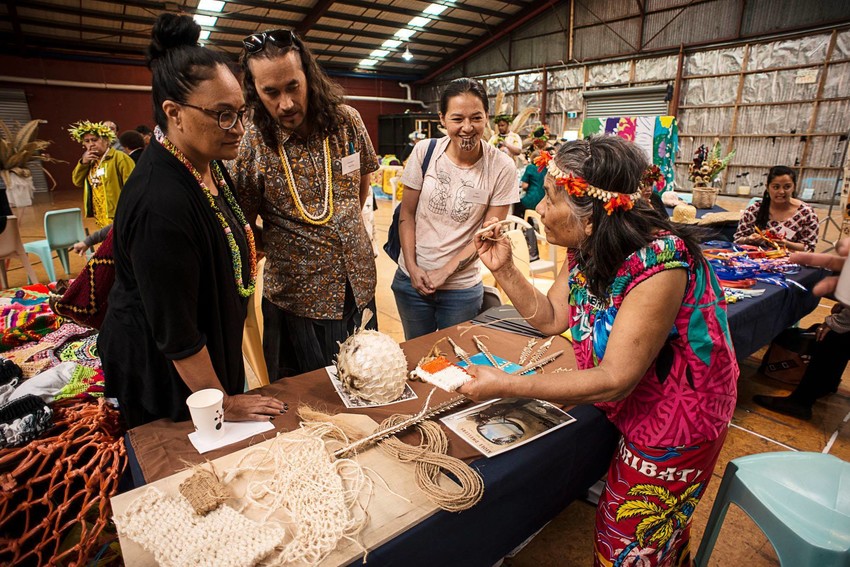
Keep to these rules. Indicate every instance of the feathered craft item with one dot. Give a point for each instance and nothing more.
(579, 187)
(84, 127)
(707, 164)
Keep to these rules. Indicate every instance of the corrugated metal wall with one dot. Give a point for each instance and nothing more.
(777, 101)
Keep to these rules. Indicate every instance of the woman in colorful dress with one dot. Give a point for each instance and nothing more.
(185, 262)
(102, 171)
(648, 323)
(780, 217)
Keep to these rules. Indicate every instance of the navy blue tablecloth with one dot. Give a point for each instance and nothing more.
(755, 322)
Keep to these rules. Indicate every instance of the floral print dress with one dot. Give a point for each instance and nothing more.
(674, 421)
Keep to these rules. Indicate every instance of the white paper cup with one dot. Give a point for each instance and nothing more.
(207, 413)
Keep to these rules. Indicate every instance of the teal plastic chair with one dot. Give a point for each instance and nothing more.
(63, 229)
(753, 201)
(801, 501)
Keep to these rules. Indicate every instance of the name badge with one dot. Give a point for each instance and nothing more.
(476, 195)
(100, 171)
(351, 163)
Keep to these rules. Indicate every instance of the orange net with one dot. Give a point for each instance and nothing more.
(55, 491)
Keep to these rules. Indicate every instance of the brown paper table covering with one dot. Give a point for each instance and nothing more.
(163, 447)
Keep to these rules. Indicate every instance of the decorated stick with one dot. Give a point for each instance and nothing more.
(526, 351)
(459, 352)
(486, 352)
(542, 350)
(382, 434)
(538, 364)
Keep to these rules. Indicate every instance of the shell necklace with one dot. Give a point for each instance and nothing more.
(328, 202)
(218, 176)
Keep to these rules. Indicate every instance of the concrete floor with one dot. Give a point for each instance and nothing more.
(568, 539)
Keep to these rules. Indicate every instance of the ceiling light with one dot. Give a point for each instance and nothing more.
(208, 21)
(368, 62)
(205, 34)
(391, 43)
(404, 33)
(218, 5)
(379, 53)
(419, 22)
(435, 9)
(407, 55)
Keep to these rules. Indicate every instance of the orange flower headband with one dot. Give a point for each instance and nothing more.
(579, 187)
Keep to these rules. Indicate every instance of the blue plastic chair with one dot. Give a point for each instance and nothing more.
(753, 201)
(801, 501)
(63, 229)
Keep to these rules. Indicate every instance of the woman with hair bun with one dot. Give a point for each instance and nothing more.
(185, 262)
(648, 323)
(780, 217)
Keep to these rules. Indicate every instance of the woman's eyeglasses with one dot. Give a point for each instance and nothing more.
(227, 119)
(257, 42)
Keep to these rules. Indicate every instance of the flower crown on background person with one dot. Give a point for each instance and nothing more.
(84, 127)
(504, 117)
(579, 187)
(653, 177)
(540, 133)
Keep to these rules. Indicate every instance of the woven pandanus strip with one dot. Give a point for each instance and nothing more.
(59, 483)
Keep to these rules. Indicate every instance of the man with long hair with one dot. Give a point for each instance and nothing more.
(304, 165)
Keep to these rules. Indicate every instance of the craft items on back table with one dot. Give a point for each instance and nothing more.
(742, 266)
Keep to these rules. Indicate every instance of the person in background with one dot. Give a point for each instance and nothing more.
(413, 138)
(539, 140)
(305, 166)
(133, 143)
(531, 183)
(648, 323)
(438, 283)
(145, 132)
(101, 172)
(793, 223)
(829, 356)
(116, 144)
(505, 140)
(185, 262)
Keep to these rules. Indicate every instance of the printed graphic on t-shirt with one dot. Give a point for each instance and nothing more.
(438, 202)
(462, 208)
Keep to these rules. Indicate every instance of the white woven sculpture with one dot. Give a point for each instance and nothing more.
(371, 365)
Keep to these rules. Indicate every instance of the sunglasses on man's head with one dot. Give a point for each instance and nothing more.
(255, 43)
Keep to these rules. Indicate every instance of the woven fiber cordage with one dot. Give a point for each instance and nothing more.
(60, 482)
(178, 537)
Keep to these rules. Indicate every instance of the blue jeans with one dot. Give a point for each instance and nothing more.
(423, 314)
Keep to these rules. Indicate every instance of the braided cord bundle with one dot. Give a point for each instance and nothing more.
(430, 457)
(297, 473)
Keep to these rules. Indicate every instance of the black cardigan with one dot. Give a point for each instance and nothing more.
(174, 292)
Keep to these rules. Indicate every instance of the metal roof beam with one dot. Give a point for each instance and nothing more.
(407, 12)
(319, 9)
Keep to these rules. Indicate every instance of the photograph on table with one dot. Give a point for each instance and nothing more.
(504, 424)
(352, 401)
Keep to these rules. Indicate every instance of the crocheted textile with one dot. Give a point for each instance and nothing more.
(23, 420)
(31, 330)
(85, 300)
(61, 483)
(167, 527)
(82, 351)
(688, 394)
(34, 358)
(86, 383)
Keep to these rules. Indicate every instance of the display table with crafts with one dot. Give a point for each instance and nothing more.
(523, 488)
(778, 300)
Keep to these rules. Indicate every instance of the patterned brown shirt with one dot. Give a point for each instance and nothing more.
(307, 265)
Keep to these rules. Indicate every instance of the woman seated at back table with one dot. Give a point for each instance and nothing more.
(648, 322)
(790, 219)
